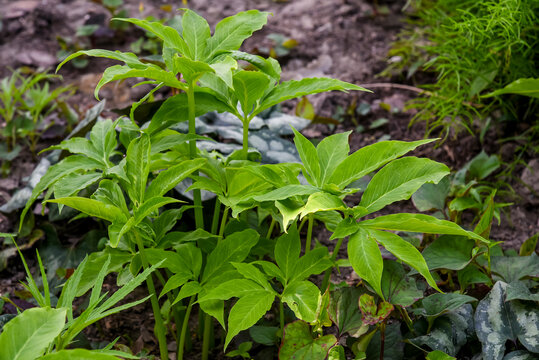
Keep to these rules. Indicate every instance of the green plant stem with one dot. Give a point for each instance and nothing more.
(199, 219)
(270, 230)
(181, 343)
(281, 317)
(309, 234)
(246, 138)
(206, 338)
(159, 329)
(215, 219)
(223, 222)
(327, 274)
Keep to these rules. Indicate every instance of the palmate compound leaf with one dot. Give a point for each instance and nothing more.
(28, 335)
(399, 179)
(497, 321)
(298, 343)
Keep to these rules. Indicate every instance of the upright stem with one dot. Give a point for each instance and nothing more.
(159, 329)
(246, 137)
(327, 274)
(199, 219)
(181, 344)
(223, 222)
(215, 219)
(309, 234)
(206, 338)
(270, 230)
(281, 317)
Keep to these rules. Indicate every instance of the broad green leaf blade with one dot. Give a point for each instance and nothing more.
(188, 290)
(295, 88)
(312, 263)
(56, 172)
(303, 298)
(79, 354)
(309, 157)
(397, 287)
(71, 184)
(399, 179)
(196, 33)
(418, 223)
(432, 196)
(249, 87)
(331, 151)
(168, 179)
(366, 258)
(174, 282)
(322, 201)
(175, 110)
(437, 304)
(343, 310)
(152, 72)
(370, 158)
(449, 252)
(405, 252)
(234, 248)
(270, 66)
(233, 288)
(191, 70)
(287, 251)
(246, 312)
(526, 87)
(109, 192)
(28, 335)
(345, 228)
(152, 205)
(497, 321)
(515, 268)
(103, 138)
(298, 343)
(138, 167)
(81, 146)
(129, 58)
(286, 192)
(289, 211)
(251, 272)
(92, 207)
(232, 31)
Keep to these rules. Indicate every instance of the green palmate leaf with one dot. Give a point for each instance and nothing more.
(71, 184)
(399, 179)
(151, 205)
(57, 171)
(527, 87)
(175, 110)
(437, 304)
(343, 306)
(405, 252)
(79, 354)
(303, 298)
(298, 343)
(138, 167)
(168, 179)
(309, 157)
(223, 70)
(232, 31)
(103, 138)
(312, 263)
(370, 158)
(249, 86)
(93, 207)
(81, 146)
(188, 290)
(153, 72)
(246, 312)
(251, 272)
(418, 223)
(287, 251)
(293, 89)
(28, 335)
(497, 321)
(449, 252)
(345, 228)
(286, 192)
(174, 282)
(109, 192)
(331, 151)
(196, 32)
(269, 66)
(322, 201)
(191, 70)
(129, 58)
(232, 288)
(366, 258)
(397, 287)
(233, 248)
(167, 140)
(170, 36)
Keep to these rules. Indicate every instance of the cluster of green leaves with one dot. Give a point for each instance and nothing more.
(124, 172)
(473, 48)
(24, 103)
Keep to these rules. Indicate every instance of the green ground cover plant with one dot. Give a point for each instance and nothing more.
(251, 262)
(475, 49)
